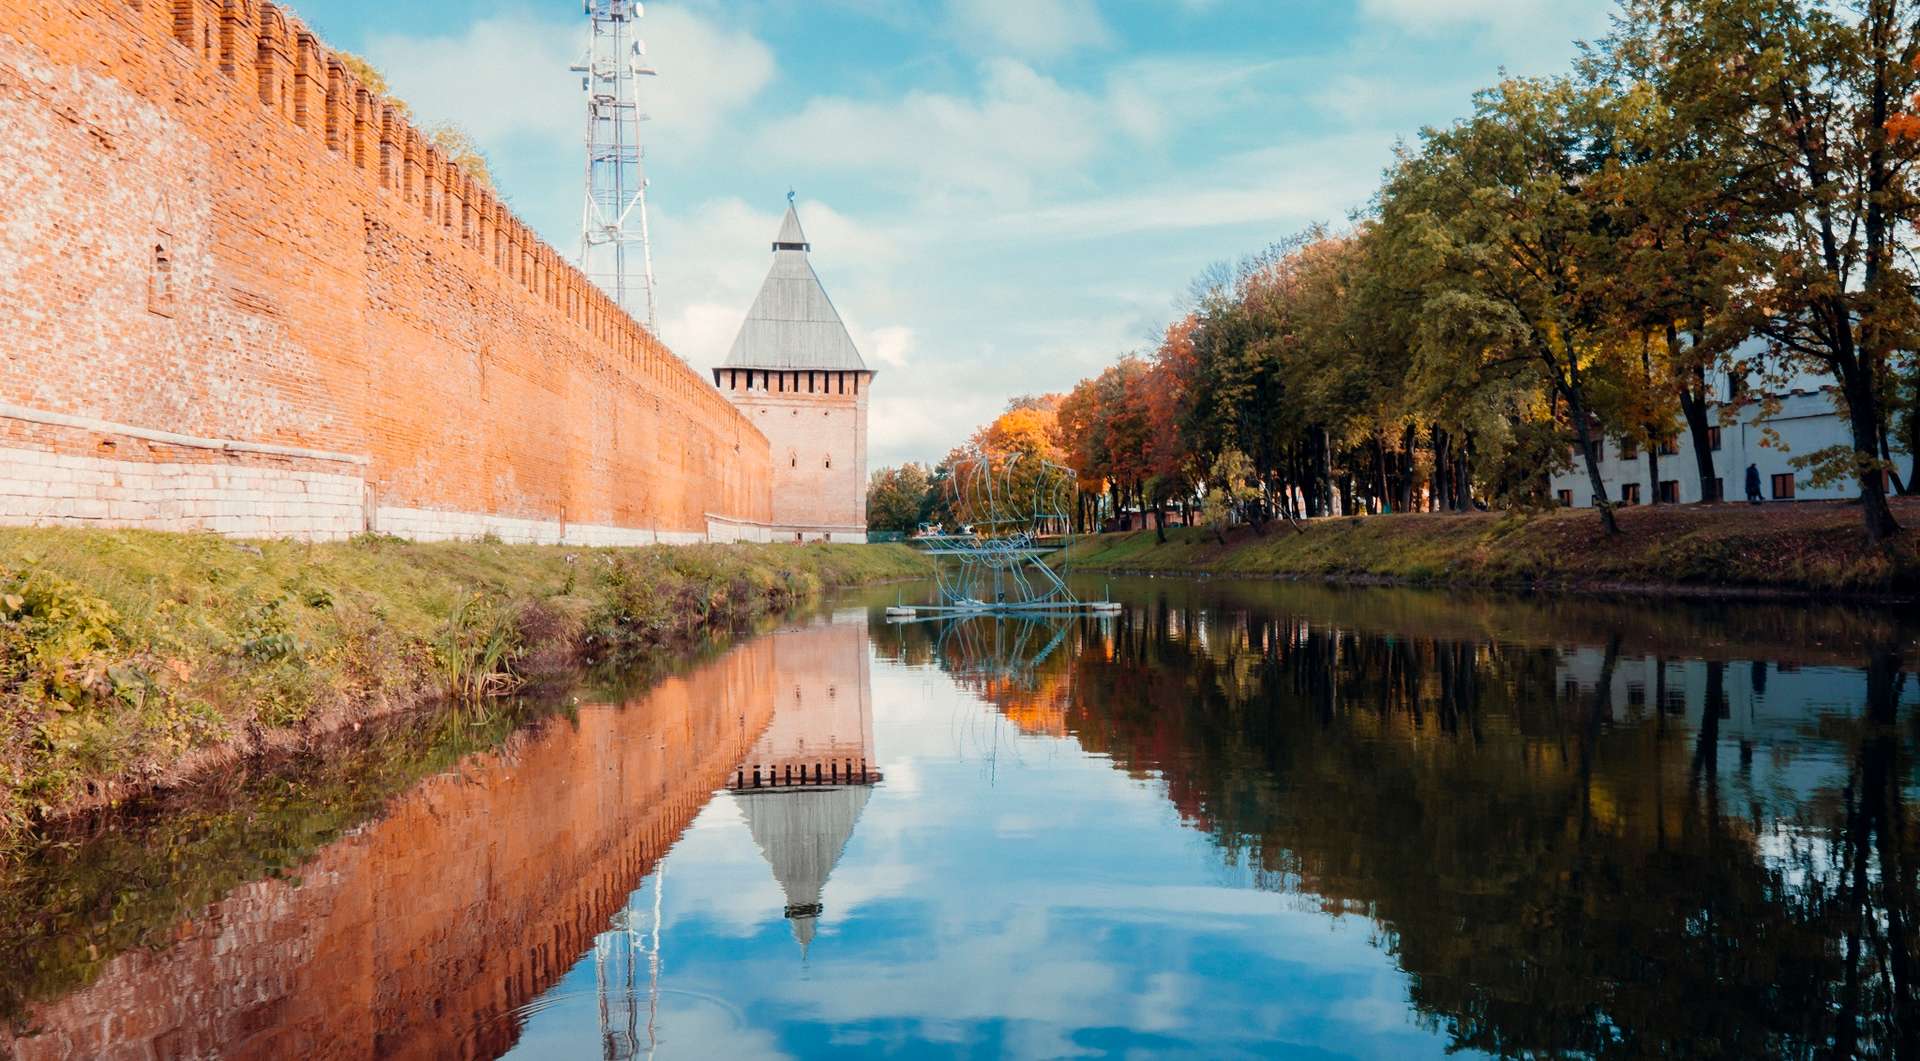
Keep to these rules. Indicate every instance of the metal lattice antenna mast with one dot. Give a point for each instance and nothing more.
(614, 250)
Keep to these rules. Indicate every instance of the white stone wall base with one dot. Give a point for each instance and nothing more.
(39, 488)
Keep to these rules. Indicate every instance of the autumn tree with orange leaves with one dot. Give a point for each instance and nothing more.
(1576, 261)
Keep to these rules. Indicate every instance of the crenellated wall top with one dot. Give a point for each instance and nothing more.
(270, 58)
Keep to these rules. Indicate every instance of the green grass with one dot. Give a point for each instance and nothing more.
(1798, 549)
(129, 659)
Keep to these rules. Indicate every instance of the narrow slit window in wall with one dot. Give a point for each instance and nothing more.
(160, 280)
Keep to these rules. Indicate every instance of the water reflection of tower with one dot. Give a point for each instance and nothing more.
(804, 784)
(618, 957)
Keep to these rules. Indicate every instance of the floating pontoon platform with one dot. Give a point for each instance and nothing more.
(904, 612)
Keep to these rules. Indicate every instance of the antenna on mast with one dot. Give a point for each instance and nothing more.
(615, 251)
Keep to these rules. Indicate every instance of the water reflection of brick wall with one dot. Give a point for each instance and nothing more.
(417, 935)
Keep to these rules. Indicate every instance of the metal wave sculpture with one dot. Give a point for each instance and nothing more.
(1013, 512)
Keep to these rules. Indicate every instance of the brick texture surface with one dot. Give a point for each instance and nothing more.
(818, 437)
(211, 229)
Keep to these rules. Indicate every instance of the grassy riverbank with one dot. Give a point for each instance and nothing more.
(129, 659)
(1802, 548)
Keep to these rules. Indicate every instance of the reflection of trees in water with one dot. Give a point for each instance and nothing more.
(1553, 874)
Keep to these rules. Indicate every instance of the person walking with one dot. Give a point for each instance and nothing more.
(1753, 484)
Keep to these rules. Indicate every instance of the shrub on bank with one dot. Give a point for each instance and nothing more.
(129, 658)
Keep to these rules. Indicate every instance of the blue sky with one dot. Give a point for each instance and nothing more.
(1003, 195)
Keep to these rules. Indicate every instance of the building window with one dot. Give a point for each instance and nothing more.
(1670, 446)
(1670, 491)
(1713, 439)
(1783, 486)
(1629, 493)
(829, 460)
(160, 284)
(1629, 449)
(1566, 499)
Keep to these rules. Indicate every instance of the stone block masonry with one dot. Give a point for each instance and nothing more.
(240, 292)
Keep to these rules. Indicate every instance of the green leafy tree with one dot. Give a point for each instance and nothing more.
(1231, 487)
(1819, 88)
(897, 498)
(1515, 245)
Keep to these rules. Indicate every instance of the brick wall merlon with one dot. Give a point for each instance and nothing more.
(310, 86)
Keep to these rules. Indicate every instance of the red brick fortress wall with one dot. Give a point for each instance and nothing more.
(239, 291)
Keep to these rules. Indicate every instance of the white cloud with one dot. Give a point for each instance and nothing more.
(507, 76)
(499, 77)
(1550, 21)
(1037, 29)
(1022, 127)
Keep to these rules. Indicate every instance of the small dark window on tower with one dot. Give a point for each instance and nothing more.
(160, 280)
(829, 462)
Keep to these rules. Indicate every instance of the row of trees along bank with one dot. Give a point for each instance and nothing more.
(1719, 186)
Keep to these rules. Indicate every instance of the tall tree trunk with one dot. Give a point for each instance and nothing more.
(1567, 379)
(1463, 474)
(1913, 442)
(1380, 469)
(1875, 511)
(1693, 405)
(1873, 352)
(1405, 483)
(1583, 431)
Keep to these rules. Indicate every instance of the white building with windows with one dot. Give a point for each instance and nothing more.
(1806, 420)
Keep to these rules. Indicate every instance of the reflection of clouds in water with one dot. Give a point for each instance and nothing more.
(688, 1025)
(1040, 911)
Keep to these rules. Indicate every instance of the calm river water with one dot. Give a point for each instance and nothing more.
(1235, 820)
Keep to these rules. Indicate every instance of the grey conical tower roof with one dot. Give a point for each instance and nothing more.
(793, 324)
(802, 832)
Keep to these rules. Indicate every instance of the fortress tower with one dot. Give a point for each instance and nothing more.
(795, 373)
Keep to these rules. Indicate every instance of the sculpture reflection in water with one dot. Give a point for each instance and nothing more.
(1010, 661)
